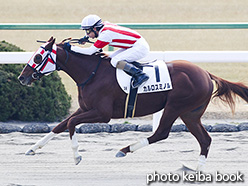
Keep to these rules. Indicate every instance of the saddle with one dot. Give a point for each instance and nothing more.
(159, 80)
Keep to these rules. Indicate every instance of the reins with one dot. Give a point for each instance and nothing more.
(67, 57)
(79, 41)
(92, 74)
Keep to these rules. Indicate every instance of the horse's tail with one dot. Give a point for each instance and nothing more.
(227, 91)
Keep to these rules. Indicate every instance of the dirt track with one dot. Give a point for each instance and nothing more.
(54, 165)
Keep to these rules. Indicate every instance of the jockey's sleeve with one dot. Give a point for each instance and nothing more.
(100, 44)
(88, 51)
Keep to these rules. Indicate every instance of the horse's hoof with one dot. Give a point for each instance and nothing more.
(30, 152)
(187, 168)
(120, 154)
(200, 168)
(77, 160)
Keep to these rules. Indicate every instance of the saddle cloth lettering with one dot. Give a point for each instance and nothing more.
(159, 78)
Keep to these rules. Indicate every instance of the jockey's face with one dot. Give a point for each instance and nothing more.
(92, 34)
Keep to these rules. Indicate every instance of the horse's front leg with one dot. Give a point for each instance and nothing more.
(74, 145)
(61, 127)
(41, 143)
(90, 116)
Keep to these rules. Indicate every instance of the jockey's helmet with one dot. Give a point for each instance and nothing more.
(90, 22)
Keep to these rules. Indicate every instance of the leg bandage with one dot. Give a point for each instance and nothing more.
(201, 163)
(41, 143)
(142, 143)
(74, 141)
(74, 145)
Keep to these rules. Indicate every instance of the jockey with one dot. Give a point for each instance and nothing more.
(132, 46)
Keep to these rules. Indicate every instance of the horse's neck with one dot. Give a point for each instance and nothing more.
(79, 67)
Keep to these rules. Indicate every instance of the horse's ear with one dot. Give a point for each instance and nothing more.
(51, 38)
(51, 41)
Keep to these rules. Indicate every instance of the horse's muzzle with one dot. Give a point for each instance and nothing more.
(25, 80)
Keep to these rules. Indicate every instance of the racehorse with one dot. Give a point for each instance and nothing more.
(100, 98)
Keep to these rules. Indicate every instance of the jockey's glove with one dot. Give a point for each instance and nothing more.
(83, 40)
(67, 46)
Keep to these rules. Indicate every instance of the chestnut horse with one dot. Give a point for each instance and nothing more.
(100, 97)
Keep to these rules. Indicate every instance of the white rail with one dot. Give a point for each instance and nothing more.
(193, 56)
(15, 57)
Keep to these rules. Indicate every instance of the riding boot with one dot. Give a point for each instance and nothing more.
(139, 76)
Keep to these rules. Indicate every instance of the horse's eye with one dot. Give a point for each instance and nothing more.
(37, 58)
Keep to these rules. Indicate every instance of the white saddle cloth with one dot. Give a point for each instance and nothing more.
(159, 78)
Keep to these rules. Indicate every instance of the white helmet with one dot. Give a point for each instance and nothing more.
(91, 21)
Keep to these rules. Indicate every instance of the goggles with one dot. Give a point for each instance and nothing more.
(88, 31)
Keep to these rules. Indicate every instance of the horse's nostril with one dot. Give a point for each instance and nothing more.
(21, 78)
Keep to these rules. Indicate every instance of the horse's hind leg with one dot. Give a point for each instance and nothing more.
(61, 127)
(193, 122)
(162, 132)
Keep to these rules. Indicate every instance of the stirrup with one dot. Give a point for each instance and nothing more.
(138, 85)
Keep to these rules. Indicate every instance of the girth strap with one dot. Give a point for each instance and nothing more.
(131, 102)
(131, 97)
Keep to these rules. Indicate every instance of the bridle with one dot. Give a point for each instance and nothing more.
(49, 57)
(37, 68)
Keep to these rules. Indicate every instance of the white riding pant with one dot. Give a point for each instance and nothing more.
(139, 50)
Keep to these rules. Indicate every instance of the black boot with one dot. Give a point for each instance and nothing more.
(138, 75)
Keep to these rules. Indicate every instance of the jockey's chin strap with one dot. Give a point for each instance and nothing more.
(96, 34)
(92, 74)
